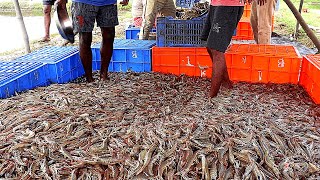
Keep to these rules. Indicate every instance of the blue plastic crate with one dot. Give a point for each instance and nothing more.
(77, 72)
(179, 33)
(20, 76)
(60, 60)
(128, 55)
(133, 32)
(8, 89)
(186, 3)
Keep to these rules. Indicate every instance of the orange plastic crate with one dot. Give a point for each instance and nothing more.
(291, 63)
(244, 30)
(279, 77)
(240, 75)
(315, 93)
(165, 55)
(191, 61)
(314, 68)
(241, 61)
(303, 80)
(260, 62)
(309, 76)
(247, 10)
(259, 76)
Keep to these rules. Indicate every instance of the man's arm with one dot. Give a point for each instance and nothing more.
(124, 2)
(261, 2)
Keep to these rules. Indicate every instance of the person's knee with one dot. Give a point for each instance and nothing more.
(47, 9)
(108, 33)
(85, 39)
(217, 55)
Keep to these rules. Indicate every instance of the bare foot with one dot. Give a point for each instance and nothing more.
(45, 39)
(228, 84)
(89, 80)
(104, 77)
(213, 93)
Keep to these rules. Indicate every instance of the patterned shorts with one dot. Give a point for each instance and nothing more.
(85, 15)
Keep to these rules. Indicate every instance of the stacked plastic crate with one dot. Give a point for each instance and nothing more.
(244, 30)
(128, 55)
(63, 63)
(310, 76)
(21, 76)
(178, 50)
(132, 32)
(173, 32)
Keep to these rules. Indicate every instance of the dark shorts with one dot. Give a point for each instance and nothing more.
(220, 25)
(48, 2)
(85, 15)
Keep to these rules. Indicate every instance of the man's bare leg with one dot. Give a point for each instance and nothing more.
(85, 39)
(225, 79)
(108, 34)
(47, 22)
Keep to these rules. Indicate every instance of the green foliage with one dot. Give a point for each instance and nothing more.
(125, 8)
(285, 22)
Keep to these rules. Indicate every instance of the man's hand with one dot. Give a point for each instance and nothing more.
(124, 2)
(248, 1)
(261, 2)
(61, 2)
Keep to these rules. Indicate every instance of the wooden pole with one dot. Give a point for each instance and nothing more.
(297, 26)
(22, 26)
(303, 24)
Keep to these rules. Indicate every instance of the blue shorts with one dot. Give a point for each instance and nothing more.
(85, 15)
(48, 2)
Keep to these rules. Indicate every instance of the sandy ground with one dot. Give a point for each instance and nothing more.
(11, 34)
(12, 39)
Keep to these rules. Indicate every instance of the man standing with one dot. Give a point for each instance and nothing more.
(84, 15)
(47, 6)
(261, 20)
(137, 10)
(151, 8)
(221, 22)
